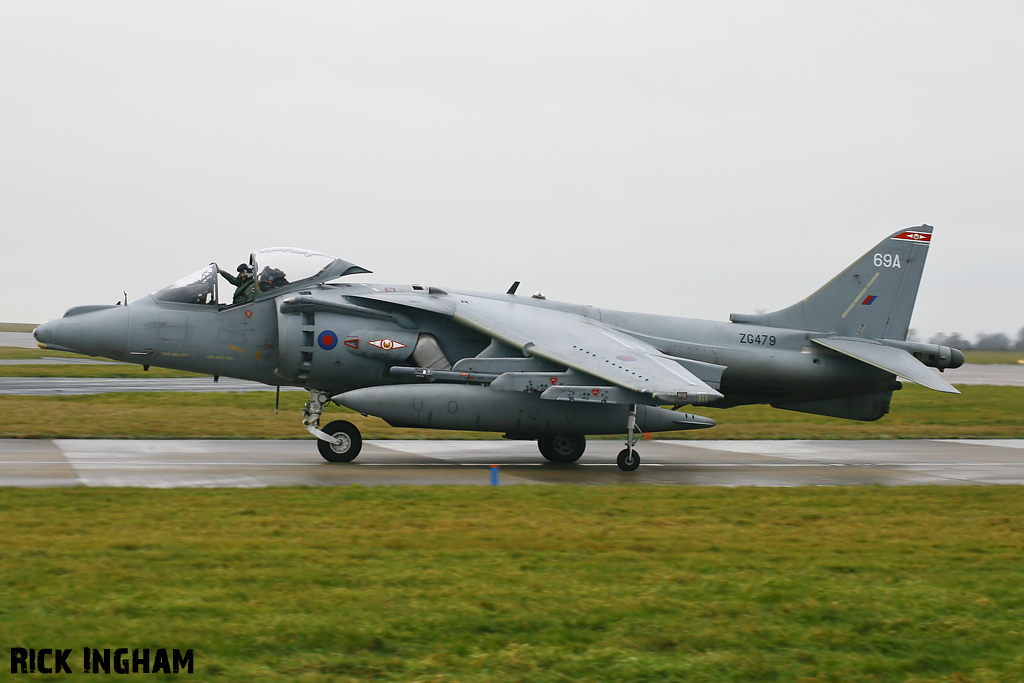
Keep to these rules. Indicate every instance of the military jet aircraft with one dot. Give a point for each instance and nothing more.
(432, 357)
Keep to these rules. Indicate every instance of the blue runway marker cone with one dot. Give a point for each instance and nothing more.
(494, 475)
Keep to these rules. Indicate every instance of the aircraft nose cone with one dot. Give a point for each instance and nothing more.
(41, 334)
(58, 335)
(102, 332)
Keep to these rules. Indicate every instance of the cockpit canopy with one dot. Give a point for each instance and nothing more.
(276, 270)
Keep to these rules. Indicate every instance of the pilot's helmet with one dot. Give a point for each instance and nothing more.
(244, 267)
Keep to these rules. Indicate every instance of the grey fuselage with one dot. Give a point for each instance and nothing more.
(431, 357)
(256, 341)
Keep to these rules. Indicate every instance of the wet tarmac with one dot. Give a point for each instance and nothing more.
(74, 386)
(996, 375)
(170, 464)
(18, 340)
(56, 360)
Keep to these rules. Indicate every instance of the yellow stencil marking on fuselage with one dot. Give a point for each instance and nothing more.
(235, 348)
(860, 297)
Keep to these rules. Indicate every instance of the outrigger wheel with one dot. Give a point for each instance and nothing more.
(563, 449)
(629, 459)
(349, 442)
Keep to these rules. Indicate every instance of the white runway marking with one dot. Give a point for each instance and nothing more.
(997, 443)
(217, 463)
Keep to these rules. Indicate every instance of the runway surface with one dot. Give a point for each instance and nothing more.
(169, 464)
(18, 340)
(997, 375)
(74, 386)
(55, 360)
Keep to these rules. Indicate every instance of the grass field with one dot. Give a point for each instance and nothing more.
(994, 357)
(917, 413)
(527, 583)
(120, 370)
(18, 327)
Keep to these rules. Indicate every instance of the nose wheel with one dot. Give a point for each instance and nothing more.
(629, 459)
(339, 441)
(350, 441)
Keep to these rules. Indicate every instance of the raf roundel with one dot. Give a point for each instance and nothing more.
(625, 359)
(327, 340)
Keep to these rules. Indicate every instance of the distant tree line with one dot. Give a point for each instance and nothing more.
(985, 342)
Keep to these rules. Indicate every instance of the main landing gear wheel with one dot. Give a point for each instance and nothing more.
(349, 442)
(563, 449)
(628, 460)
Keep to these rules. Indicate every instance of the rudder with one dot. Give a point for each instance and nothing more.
(874, 298)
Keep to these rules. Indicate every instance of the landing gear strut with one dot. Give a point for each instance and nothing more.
(339, 441)
(562, 448)
(629, 459)
(311, 413)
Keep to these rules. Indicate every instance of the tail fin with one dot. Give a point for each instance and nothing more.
(873, 298)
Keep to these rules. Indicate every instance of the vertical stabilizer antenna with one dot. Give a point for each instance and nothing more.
(513, 288)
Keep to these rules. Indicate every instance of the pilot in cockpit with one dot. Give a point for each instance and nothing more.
(245, 285)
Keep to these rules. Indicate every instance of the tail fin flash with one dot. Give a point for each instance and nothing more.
(873, 298)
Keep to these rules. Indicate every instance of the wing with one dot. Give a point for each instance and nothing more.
(574, 341)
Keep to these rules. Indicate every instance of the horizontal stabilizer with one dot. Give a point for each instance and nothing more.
(890, 359)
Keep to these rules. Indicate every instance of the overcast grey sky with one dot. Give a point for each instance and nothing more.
(691, 159)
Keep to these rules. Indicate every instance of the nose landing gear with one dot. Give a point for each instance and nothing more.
(339, 441)
(629, 459)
